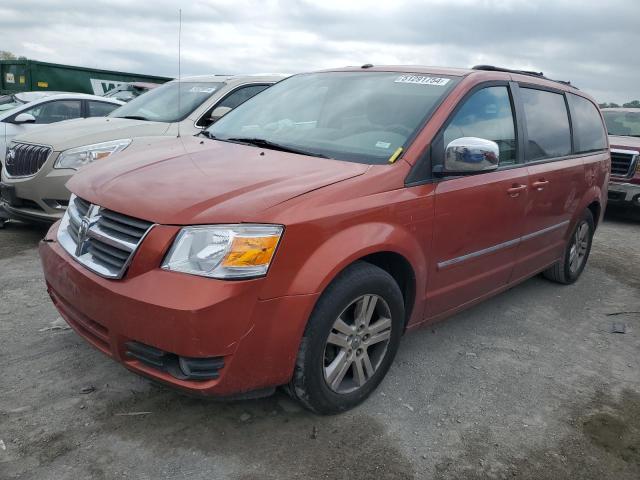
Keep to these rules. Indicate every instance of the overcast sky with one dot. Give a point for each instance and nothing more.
(593, 44)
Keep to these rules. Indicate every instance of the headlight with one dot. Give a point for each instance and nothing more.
(81, 156)
(224, 251)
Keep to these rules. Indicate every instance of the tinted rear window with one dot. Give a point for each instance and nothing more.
(547, 124)
(101, 109)
(588, 131)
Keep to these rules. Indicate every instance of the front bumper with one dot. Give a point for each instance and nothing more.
(620, 192)
(42, 197)
(183, 315)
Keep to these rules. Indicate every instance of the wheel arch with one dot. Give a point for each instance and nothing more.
(396, 250)
(596, 210)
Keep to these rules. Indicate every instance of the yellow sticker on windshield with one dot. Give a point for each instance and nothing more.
(395, 155)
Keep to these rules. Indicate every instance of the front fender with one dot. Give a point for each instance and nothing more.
(328, 258)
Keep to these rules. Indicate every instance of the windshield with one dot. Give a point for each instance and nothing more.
(623, 123)
(172, 102)
(7, 102)
(357, 116)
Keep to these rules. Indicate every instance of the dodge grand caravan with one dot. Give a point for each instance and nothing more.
(294, 241)
(33, 181)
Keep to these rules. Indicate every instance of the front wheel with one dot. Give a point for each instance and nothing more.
(569, 269)
(350, 340)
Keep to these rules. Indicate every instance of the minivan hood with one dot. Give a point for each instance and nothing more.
(86, 131)
(190, 180)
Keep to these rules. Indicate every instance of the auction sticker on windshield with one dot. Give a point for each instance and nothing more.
(202, 89)
(419, 79)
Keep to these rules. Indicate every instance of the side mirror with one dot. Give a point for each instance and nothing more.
(218, 113)
(471, 155)
(24, 118)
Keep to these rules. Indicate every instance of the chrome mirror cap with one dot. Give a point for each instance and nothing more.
(471, 154)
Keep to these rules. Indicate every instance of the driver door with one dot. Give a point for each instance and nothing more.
(479, 218)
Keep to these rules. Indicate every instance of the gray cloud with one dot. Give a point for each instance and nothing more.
(593, 45)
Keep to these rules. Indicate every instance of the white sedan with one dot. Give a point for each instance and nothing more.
(22, 112)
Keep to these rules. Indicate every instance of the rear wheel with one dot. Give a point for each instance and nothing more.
(569, 269)
(350, 340)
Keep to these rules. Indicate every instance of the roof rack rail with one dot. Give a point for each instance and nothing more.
(530, 73)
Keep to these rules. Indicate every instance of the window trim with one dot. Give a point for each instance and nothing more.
(228, 94)
(424, 166)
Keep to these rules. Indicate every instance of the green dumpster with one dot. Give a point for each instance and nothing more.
(32, 75)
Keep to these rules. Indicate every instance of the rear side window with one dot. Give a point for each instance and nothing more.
(548, 131)
(241, 95)
(588, 131)
(235, 98)
(486, 114)
(55, 111)
(101, 109)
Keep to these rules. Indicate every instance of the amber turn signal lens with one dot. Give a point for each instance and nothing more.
(250, 251)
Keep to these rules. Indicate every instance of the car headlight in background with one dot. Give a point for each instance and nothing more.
(81, 156)
(224, 251)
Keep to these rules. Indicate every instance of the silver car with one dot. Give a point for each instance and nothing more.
(38, 165)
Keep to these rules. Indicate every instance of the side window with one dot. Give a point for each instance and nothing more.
(547, 124)
(486, 114)
(55, 111)
(588, 131)
(241, 95)
(101, 109)
(234, 99)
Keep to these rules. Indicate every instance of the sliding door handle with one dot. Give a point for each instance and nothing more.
(540, 184)
(515, 190)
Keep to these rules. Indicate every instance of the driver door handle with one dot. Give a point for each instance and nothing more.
(540, 184)
(515, 190)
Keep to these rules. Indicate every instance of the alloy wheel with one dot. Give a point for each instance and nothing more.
(579, 248)
(357, 344)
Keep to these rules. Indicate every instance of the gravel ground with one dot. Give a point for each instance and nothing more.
(530, 385)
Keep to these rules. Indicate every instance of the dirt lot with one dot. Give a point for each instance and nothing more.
(529, 385)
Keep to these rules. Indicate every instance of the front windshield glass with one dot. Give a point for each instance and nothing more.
(172, 102)
(357, 116)
(623, 123)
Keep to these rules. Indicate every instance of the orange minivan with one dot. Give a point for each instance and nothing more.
(295, 240)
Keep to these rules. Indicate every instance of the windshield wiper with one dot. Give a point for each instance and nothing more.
(261, 142)
(207, 134)
(134, 117)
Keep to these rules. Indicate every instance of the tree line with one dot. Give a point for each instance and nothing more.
(632, 104)
(4, 55)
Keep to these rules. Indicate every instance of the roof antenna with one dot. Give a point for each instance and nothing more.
(179, 64)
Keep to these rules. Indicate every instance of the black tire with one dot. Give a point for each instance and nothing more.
(309, 384)
(562, 271)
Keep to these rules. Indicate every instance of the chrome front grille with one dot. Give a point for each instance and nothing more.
(623, 162)
(24, 159)
(102, 240)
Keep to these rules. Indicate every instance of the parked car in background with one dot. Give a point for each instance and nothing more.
(623, 125)
(33, 184)
(13, 100)
(128, 91)
(31, 110)
(296, 239)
